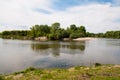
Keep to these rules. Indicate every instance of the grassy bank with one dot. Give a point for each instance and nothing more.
(98, 72)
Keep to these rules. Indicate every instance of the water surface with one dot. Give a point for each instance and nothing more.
(16, 55)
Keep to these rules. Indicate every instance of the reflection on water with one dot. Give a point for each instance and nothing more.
(113, 42)
(16, 55)
(55, 47)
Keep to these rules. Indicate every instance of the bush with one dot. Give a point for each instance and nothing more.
(2, 78)
(97, 64)
(76, 35)
(30, 69)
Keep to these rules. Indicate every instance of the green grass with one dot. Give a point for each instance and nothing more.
(98, 72)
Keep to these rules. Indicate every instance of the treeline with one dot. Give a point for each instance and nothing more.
(55, 32)
(110, 34)
(16, 34)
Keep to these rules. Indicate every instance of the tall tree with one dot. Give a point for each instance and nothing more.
(54, 27)
(54, 31)
(40, 30)
(73, 27)
(82, 31)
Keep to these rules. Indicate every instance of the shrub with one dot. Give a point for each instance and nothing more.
(97, 64)
(30, 69)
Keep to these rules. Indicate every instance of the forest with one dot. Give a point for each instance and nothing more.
(55, 32)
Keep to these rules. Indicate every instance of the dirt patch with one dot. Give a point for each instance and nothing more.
(17, 76)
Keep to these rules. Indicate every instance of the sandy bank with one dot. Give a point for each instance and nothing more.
(84, 39)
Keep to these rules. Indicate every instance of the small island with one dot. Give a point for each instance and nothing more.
(55, 32)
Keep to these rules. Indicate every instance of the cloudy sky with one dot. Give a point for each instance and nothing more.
(95, 15)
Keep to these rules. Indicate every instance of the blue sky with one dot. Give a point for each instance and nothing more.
(95, 15)
(63, 4)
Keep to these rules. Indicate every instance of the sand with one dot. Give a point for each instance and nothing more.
(84, 39)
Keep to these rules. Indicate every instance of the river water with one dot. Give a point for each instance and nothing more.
(17, 55)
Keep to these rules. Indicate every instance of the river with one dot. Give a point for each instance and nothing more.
(17, 55)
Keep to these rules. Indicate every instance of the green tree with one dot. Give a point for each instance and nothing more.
(109, 34)
(61, 33)
(112, 34)
(73, 28)
(15, 34)
(33, 31)
(55, 27)
(40, 30)
(82, 31)
(101, 35)
(75, 35)
(0, 34)
(88, 34)
(54, 31)
(6, 33)
(75, 32)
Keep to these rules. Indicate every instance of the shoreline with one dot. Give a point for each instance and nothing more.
(84, 39)
(96, 72)
(64, 39)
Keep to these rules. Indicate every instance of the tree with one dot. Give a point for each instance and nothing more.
(33, 31)
(40, 30)
(117, 34)
(75, 32)
(0, 34)
(61, 33)
(73, 28)
(54, 31)
(75, 35)
(82, 31)
(54, 27)
(88, 34)
(112, 34)
(100, 35)
(15, 34)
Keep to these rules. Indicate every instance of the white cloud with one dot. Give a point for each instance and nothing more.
(16, 13)
(96, 17)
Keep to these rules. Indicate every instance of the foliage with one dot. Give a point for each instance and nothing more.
(15, 34)
(109, 34)
(76, 32)
(102, 35)
(30, 69)
(98, 64)
(82, 31)
(112, 34)
(55, 32)
(2, 78)
(40, 30)
(0, 35)
(88, 34)
(75, 35)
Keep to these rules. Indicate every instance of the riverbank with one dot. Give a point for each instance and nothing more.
(43, 38)
(66, 39)
(97, 72)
